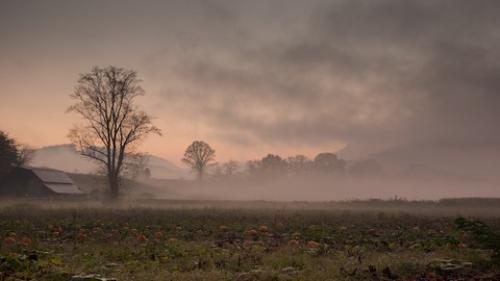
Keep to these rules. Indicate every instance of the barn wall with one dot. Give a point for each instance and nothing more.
(22, 182)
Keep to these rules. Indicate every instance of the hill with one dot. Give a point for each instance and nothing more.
(64, 157)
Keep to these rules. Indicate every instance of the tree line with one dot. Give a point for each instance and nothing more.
(200, 158)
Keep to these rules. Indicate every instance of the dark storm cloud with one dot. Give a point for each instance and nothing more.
(354, 71)
(380, 72)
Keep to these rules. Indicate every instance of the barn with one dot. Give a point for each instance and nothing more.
(37, 182)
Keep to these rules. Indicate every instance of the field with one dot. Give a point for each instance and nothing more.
(248, 241)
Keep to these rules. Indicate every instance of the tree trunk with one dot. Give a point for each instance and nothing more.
(114, 185)
(200, 175)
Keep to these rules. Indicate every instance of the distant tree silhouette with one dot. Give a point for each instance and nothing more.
(217, 172)
(105, 99)
(230, 167)
(198, 157)
(298, 164)
(329, 163)
(273, 165)
(253, 167)
(225, 170)
(12, 154)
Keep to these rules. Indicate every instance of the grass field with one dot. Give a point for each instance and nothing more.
(248, 241)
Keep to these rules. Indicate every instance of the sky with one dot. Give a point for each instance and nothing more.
(262, 76)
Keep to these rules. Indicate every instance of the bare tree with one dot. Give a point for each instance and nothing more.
(24, 155)
(198, 157)
(216, 171)
(113, 125)
(136, 167)
(230, 168)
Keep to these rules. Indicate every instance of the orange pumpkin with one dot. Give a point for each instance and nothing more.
(158, 235)
(263, 228)
(26, 241)
(251, 232)
(81, 237)
(9, 241)
(141, 238)
(293, 243)
(312, 245)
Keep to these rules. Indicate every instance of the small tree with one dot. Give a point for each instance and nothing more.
(198, 157)
(230, 168)
(113, 125)
(137, 167)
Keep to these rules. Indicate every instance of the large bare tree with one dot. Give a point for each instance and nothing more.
(113, 124)
(198, 157)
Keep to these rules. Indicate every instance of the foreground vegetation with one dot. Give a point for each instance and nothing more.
(243, 244)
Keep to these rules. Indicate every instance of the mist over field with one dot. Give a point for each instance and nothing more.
(399, 178)
(250, 140)
(408, 88)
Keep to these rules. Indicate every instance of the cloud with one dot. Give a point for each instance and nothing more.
(356, 72)
(287, 73)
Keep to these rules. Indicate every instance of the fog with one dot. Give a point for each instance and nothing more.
(413, 85)
(400, 173)
(333, 189)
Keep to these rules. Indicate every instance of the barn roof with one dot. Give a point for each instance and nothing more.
(52, 176)
(64, 188)
(57, 181)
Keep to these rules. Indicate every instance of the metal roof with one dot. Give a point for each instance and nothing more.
(57, 181)
(63, 188)
(52, 176)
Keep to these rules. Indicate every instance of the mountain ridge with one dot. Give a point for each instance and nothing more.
(65, 157)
